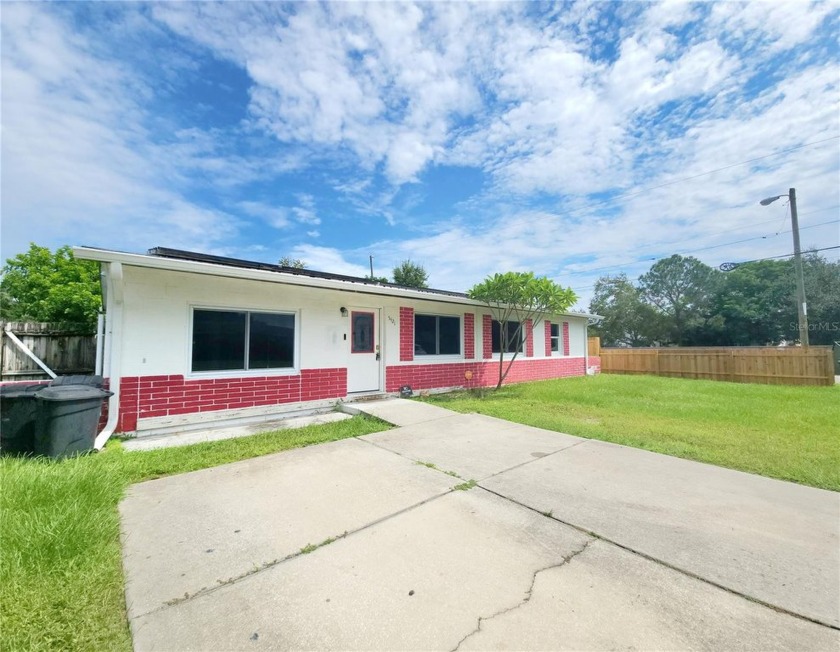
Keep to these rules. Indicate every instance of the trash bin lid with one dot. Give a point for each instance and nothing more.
(93, 381)
(20, 390)
(72, 393)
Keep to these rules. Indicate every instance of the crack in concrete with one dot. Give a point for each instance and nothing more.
(661, 562)
(528, 594)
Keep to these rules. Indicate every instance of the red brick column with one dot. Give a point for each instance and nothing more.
(406, 334)
(529, 338)
(565, 338)
(548, 339)
(487, 336)
(469, 336)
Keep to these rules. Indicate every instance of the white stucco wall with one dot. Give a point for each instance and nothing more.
(158, 308)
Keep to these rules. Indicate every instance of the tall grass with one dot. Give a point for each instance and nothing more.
(786, 432)
(61, 579)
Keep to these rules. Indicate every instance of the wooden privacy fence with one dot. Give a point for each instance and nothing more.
(64, 352)
(772, 365)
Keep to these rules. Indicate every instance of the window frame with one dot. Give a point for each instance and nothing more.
(555, 340)
(437, 317)
(245, 372)
(521, 348)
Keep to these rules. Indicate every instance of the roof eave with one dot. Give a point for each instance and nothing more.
(213, 269)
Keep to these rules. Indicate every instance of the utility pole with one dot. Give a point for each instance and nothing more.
(801, 306)
(371, 264)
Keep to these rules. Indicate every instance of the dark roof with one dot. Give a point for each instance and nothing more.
(179, 254)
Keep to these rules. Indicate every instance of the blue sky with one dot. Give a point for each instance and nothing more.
(573, 139)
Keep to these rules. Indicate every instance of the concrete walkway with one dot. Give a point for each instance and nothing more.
(467, 532)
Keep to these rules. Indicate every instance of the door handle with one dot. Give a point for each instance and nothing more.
(377, 355)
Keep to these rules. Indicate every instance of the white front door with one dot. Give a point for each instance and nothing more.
(363, 370)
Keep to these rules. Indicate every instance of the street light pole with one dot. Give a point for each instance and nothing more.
(801, 306)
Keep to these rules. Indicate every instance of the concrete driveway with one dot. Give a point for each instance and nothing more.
(461, 532)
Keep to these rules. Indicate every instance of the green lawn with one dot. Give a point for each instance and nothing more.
(61, 579)
(786, 432)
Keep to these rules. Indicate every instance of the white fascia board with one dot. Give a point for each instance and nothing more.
(212, 269)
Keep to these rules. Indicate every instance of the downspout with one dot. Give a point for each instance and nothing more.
(586, 348)
(100, 338)
(113, 344)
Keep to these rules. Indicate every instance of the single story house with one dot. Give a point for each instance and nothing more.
(190, 338)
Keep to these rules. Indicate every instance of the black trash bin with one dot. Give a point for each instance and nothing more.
(17, 418)
(68, 416)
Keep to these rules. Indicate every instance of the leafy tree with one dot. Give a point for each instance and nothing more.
(682, 288)
(628, 320)
(822, 293)
(377, 279)
(411, 275)
(41, 286)
(755, 302)
(519, 296)
(294, 263)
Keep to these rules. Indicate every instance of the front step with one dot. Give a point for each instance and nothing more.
(367, 397)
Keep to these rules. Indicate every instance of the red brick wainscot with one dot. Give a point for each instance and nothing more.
(143, 397)
(480, 374)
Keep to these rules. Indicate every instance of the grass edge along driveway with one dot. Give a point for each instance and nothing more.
(780, 431)
(61, 575)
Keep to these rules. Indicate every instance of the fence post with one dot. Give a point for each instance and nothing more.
(731, 366)
(829, 366)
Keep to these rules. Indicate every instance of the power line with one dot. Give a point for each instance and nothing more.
(809, 251)
(759, 237)
(635, 278)
(725, 244)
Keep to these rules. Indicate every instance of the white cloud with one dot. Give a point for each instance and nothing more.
(770, 26)
(549, 103)
(327, 259)
(79, 166)
(275, 216)
(384, 80)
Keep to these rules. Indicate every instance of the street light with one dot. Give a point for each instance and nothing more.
(801, 307)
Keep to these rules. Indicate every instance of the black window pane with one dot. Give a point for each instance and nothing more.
(272, 341)
(514, 337)
(218, 340)
(555, 337)
(450, 335)
(362, 332)
(424, 335)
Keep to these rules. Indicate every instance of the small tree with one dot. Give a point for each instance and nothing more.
(411, 275)
(294, 263)
(519, 296)
(41, 286)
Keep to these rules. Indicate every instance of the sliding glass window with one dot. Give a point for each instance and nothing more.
(437, 335)
(227, 340)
